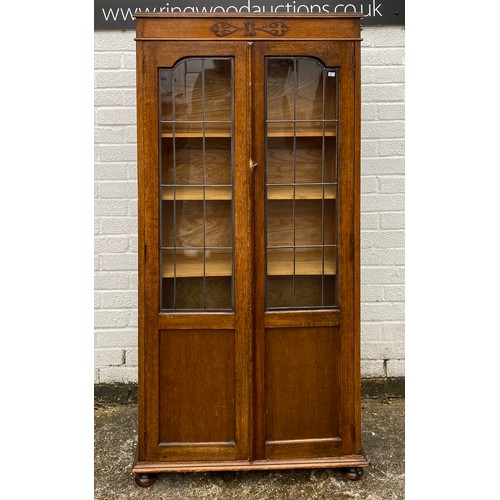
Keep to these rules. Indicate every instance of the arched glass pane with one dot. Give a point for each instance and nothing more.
(196, 123)
(301, 184)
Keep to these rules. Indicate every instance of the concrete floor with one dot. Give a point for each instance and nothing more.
(383, 441)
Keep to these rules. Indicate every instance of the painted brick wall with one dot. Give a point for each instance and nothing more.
(382, 220)
(382, 202)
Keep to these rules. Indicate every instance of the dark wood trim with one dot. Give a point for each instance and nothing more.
(298, 319)
(347, 287)
(190, 321)
(141, 350)
(250, 196)
(327, 463)
(210, 443)
(303, 441)
(298, 27)
(149, 265)
(259, 272)
(242, 257)
(356, 343)
(195, 452)
(305, 448)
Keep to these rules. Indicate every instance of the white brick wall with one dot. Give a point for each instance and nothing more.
(382, 220)
(115, 209)
(382, 205)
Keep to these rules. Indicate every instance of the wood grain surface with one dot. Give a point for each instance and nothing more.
(242, 384)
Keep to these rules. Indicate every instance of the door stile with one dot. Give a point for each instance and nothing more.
(243, 253)
(149, 265)
(259, 250)
(356, 338)
(250, 196)
(141, 410)
(347, 244)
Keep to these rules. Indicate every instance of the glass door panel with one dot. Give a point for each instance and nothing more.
(196, 184)
(301, 184)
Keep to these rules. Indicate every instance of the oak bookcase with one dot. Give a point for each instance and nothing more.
(248, 176)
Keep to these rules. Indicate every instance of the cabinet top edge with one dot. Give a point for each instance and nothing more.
(164, 26)
(204, 15)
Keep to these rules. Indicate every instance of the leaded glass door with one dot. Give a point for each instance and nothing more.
(197, 319)
(197, 169)
(301, 184)
(303, 284)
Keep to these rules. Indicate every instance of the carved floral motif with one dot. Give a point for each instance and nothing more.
(275, 28)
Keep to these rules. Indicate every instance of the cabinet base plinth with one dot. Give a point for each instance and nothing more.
(350, 462)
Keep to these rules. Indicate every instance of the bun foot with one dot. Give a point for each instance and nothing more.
(353, 473)
(145, 480)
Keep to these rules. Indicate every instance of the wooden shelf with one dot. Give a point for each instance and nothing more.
(301, 192)
(301, 133)
(191, 266)
(200, 135)
(196, 193)
(307, 262)
(183, 130)
(225, 193)
(302, 129)
(224, 132)
(279, 263)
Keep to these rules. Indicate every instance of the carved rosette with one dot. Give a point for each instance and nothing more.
(250, 28)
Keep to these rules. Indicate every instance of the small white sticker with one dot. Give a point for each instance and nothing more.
(331, 73)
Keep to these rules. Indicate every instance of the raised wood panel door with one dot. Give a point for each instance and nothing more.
(196, 374)
(304, 281)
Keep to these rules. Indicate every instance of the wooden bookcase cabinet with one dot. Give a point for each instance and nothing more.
(248, 176)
